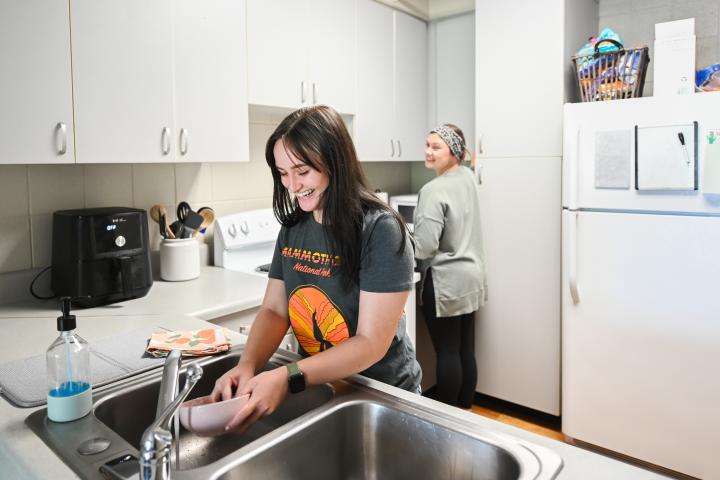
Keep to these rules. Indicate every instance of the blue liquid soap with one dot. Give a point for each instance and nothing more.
(68, 372)
(69, 389)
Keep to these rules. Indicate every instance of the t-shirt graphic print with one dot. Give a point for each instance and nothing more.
(317, 322)
(323, 311)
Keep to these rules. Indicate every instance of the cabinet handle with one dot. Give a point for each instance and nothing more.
(477, 169)
(302, 92)
(314, 93)
(392, 148)
(61, 130)
(183, 141)
(165, 140)
(399, 148)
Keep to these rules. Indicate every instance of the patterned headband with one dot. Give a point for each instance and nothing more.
(453, 140)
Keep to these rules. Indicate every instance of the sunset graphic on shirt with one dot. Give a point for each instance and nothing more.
(317, 322)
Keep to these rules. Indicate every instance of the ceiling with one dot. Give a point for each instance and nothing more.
(432, 9)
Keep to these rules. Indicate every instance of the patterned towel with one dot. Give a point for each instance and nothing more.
(192, 343)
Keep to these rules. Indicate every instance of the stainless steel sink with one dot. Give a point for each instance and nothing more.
(129, 412)
(349, 430)
(367, 435)
(369, 440)
(122, 412)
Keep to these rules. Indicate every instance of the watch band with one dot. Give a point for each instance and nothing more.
(296, 379)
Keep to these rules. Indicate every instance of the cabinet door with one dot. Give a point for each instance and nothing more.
(519, 85)
(374, 123)
(277, 54)
(332, 53)
(454, 55)
(122, 77)
(411, 99)
(211, 111)
(36, 121)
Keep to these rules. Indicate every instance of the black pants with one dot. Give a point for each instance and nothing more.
(454, 341)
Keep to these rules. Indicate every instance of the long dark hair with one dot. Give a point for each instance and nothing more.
(317, 135)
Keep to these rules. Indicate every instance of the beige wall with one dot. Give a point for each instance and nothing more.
(29, 194)
(635, 22)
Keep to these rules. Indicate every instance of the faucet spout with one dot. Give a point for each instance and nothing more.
(156, 443)
(169, 384)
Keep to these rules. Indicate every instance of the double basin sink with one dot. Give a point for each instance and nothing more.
(347, 430)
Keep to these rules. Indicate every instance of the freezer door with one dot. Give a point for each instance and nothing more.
(641, 337)
(600, 152)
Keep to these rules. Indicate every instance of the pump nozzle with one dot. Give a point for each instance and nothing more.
(66, 321)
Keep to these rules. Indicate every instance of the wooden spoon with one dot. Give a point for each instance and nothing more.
(159, 214)
(208, 215)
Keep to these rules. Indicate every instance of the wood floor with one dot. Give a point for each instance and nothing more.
(521, 417)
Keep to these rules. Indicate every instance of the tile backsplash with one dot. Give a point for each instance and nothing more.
(29, 194)
(635, 20)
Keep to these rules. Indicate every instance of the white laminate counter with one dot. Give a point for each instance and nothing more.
(215, 293)
(29, 327)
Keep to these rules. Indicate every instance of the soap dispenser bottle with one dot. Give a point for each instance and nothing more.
(68, 371)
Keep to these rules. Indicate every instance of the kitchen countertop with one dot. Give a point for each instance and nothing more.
(29, 327)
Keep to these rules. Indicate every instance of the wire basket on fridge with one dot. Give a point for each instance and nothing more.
(613, 74)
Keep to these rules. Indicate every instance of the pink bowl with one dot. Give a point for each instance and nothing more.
(206, 418)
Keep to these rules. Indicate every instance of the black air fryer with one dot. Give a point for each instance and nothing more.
(100, 255)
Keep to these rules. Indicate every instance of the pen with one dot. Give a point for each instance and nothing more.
(681, 137)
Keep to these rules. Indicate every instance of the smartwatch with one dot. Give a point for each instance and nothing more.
(296, 379)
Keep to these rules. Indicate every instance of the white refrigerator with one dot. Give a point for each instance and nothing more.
(641, 279)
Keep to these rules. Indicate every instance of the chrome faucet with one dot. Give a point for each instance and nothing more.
(156, 443)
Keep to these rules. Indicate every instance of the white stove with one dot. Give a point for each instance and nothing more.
(245, 241)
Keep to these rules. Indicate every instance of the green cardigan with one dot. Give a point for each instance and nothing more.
(448, 240)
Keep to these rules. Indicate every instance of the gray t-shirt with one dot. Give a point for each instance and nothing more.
(323, 313)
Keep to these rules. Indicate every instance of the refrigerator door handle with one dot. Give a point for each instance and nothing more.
(572, 260)
(573, 174)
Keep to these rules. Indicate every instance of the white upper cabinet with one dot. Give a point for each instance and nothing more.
(391, 121)
(411, 73)
(333, 57)
(519, 86)
(375, 121)
(211, 114)
(36, 118)
(277, 56)
(122, 76)
(301, 53)
(453, 52)
(159, 81)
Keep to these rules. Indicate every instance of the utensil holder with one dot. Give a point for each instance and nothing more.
(179, 259)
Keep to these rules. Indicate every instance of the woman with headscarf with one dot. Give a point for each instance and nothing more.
(450, 253)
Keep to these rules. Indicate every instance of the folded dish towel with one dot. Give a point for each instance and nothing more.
(192, 343)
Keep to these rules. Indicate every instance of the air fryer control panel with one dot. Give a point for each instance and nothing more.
(117, 232)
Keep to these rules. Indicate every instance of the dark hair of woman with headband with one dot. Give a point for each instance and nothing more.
(451, 256)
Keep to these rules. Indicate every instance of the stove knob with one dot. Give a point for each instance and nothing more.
(232, 230)
(120, 241)
(245, 228)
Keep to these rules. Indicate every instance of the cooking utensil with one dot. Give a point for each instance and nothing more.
(176, 228)
(202, 209)
(159, 214)
(183, 209)
(193, 221)
(208, 215)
